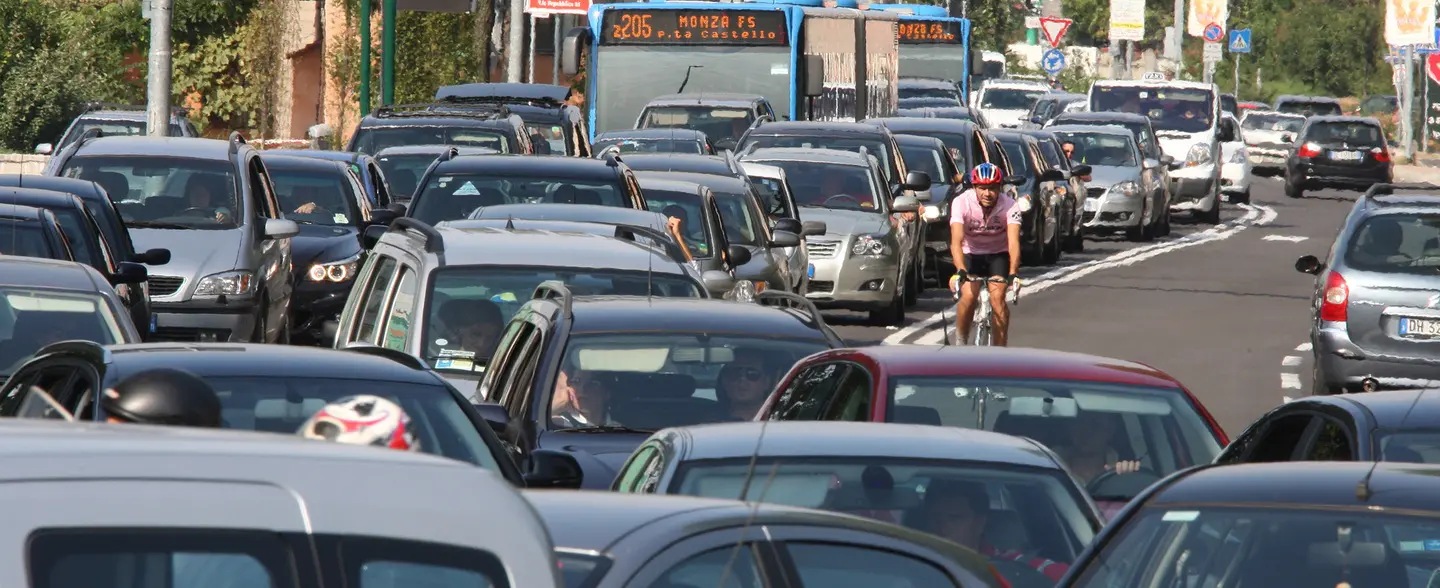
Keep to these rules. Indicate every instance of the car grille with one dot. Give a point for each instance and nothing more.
(183, 334)
(822, 249)
(1096, 192)
(818, 287)
(164, 285)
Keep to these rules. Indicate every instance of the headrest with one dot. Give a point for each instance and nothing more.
(588, 197)
(278, 408)
(915, 415)
(651, 385)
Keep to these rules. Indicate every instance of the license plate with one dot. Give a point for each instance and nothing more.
(1092, 205)
(1419, 328)
(810, 271)
(154, 322)
(1346, 156)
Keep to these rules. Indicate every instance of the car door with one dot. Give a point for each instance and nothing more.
(362, 318)
(808, 393)
(1279, 436)
(735, 557)
(275, 260)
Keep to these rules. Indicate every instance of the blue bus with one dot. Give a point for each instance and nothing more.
(801, 55)
(933, 44)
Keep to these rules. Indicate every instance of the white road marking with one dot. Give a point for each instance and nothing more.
(1290, 381)
(1303, 346)
(1290, 238)
(1291, 360)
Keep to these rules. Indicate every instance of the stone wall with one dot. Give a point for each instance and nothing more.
(17, 163)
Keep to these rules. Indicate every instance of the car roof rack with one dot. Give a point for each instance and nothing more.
(1389, 189)
(790, 300)
(434, 241)
(443, 110)
(175, 111)
(553, 289)
(537, 101)
(733, 163)
(629, 232)
(612, 158)
(394, 355)
(236, 140)
(611, 150)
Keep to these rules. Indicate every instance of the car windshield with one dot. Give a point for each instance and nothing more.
(1185, 110)
(929, 160)
(1106, 149)
(687, 207)
(1271, 545)
(165, 192)
(717, 122)
(1396, 244)
(956, 142)
(1010, 98)
(1272, 122)
(370, 140)
(1307, 108)
(448, 196)
(31, 319)
(652, 381)
(403, 172)
(111, 128)
(921, 92)
(468, 307)
(282, 405)
(1091, 426)
(876, 147)
(25, 239)
(1351, 134)
(650, 145)
(1002, 511)
(830, 185)
(326, 198)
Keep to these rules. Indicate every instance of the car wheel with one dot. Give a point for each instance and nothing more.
(1244, 197)
(1293, 189)
(283, 337)
(920, 264)
(1140, 232)
(1052, 248)
(260, 319)
(892, 314)
(1212, 216)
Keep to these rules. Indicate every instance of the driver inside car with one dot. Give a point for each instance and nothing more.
(1089, 452)
(959, 510)
(581, 399)
(201, 195)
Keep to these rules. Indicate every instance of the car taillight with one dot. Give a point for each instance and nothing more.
(1308, 150)
(1335, 298)
(1382, 155)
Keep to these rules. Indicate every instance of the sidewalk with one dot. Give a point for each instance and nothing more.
(1417, 174)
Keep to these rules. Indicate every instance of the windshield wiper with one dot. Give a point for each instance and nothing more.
(609, 429)
(156, 225)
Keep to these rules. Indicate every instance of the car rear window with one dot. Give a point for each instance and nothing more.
(1350, 133)
(1309, 108)
(1396, 243)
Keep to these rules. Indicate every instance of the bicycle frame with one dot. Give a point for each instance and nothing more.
(981, 327)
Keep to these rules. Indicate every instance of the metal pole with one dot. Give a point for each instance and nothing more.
(1237, 76)
(1116, 62)
(1179, 49)
(157, 98)
(387, 48)
(530, 52)
(555, 56)
(1129, 60)
(365, 11)
(514, 50)
(1425, 120)
(1408, 106)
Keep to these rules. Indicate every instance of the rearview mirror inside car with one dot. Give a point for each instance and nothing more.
(1036, 406)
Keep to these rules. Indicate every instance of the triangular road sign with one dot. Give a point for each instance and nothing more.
(1054, 29)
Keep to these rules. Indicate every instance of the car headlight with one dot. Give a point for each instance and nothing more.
(870, 245)
(226, 284)
(1198, 155)
(1128, 189)
(334, 271)
(930, 213)
(1239, 156)
(1024, 203)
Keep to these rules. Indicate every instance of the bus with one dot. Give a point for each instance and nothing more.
(933, 44)
(801, 55)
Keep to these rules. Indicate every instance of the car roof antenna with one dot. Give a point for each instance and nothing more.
(755, 504)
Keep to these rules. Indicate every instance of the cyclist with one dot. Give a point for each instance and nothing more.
(363, 420)
(985, 227)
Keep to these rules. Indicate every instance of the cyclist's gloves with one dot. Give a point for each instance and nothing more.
(956, 279)
(1010, 279)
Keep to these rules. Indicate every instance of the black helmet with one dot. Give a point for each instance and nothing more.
(163, 396)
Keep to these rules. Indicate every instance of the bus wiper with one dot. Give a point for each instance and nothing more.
(610, 429)
(687, 78)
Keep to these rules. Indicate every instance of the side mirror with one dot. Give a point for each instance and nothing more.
(812, 228)
(718, 281)
(1080, 170)
(329, 331)
(371, 235)
(382, 216)
(1166, 160)
(784, 239)
(917, 181)
(814, 75)
(553, 469)
(279, 228)
(738, 255)
(494, 414)
(129, 273)
(44, 149)
(575, 40)
(1226, 134)
(1287, 138)
(725, 145)
(788, 225)
(1014, 180)
(905, 204)
(1309, 264)
(153, 257)
(1052, 175)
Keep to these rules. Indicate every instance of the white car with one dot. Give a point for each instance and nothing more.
(1006, 103)
(1235, 172)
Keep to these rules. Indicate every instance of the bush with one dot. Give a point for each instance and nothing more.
(42, 95)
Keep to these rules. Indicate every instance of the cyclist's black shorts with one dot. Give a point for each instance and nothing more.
(987, 265)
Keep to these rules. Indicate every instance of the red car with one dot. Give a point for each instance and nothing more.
(1253, 106)
(1098, 415)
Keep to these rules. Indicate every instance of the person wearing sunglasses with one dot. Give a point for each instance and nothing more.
(745, 383)
(581, 400)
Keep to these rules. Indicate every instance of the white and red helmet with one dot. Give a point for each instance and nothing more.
(362, 420)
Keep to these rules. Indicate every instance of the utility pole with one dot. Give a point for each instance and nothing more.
(1179, 48)
(515, 48)
(1407, 104)
(157, 95)
(365, 11)
(387, 53)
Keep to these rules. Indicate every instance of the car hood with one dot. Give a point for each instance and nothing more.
(839, 223)
(1104, 176)
(1004, 117)
(600, 455)
(193, 253)
(1177, 144)
(323, 244)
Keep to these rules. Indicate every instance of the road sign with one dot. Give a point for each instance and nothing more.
(1214, 33)
(1213, 52)
(1053, 61)
(1127, 20)
(1054, 29)
(1240, 41)
(1032, 22)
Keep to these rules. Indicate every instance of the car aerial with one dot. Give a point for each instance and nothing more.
(1091, 411)
(404, 165)
(723, 117)
(965, 113)
(444, 293)
(1337, 152)
(882, 471)
(288, 514)
(931, 156)
(1308, 105)
(609, 540)
(962, 137)
(867, 258)
(455, 185)
(1396, 426)
(1264, 134)
(1048, 107)
(33, 232)
(269, 388)
(1276, 524)
(212, 202)
(922, 87)
(1235, 168)
(928, 102)
(116, 120)
(1153, 158)
(328, 201)
(660, 140)
(545, 108)
(1046, 212)
(365, 167)
(1123, 194)
(578, 382)
(1006, 103)
(43, 301)
(701, 227)
(846, 136)
(494, 127)
(1372, 321)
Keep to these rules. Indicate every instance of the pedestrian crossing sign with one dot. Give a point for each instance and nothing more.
(1240, 41)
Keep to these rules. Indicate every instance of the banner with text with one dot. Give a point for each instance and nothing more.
(1205, 12)
(1127, 20)
(1409, 22)
(547, 7)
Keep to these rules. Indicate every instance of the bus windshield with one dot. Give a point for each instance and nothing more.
(634, 75)
(932, 61)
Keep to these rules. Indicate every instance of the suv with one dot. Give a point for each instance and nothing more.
(1336, 152)
(211, 203)
(494, 127)
(402, 166)
(1374, 321)
(724, 118)
(556, 126)
(116, 120)
(1308, 105)
(455, 185)
(635, 366)
(1007, 103)
(365, 166)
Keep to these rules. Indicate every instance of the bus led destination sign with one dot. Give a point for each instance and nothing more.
(694, 27)
(929, 32)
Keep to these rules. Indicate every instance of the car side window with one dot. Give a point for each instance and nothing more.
(1280, 439)
(852, 397)
(105, 558)
(637, 198)
(734, 564)
(373, 302)
(809, 393)
(505, 367)
(522, 369)
(398, 319)
(504, 351)
(362, 201)
(265, 202)
(369, 562)
(835, 565)
(380, 185)
(632, 474)
(1331, 443)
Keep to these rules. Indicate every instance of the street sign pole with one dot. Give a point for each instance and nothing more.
(157, 99)
(387, 48)
(1179, 56)
(365, 12)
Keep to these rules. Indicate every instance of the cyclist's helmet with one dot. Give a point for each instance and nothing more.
(162, 396)
(362, 420)
(986, 174)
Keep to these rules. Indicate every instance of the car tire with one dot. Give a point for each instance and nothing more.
(1139, 232)
(1165, 228)
(892, 314)
(1075, 243)
(1212, 216)
(283, 338)
(1244, 197)
(1293, 190)
(258, 336)
(912, 290)
(1051, 256)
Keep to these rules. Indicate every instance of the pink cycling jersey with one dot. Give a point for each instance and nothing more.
(984, 235)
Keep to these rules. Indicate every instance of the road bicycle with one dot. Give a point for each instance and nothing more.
(981, 331)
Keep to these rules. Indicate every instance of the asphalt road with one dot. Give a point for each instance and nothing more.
(1219, 307)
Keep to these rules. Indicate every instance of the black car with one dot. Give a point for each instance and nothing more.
(365, 166)
(43, 301)
(1049, 106)
(1073, 188)
(1308, 105)
(1395, 426)
(916, 103)
(96, 199)
(33, 232)
(458, 184)
(271, 388)
(919, 87)
(662, 140)
(635, 365)
(962, 137)
(945, 113)
(404, 165)
(448, 124)
(778, 204)
(1337, 152)
(930, 155)
(1045, 212)
(702, 229)
(609, 540)
(557, 127)
(845, 136)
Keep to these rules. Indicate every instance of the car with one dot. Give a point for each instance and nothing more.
(403, 165)
(1006, 103)
(1228, 105)
(846, 136)
(326, 252)
(1049, 106)
(928, 102)
(772, 191)
(1264, 133)
(1235, 168)
(921, 87)
(212, 202)
(1124, 193)
(33, 232)
(288, 512)
(495, 127)
(1371, 323)
(608, 540)
(659, 140)
(962, 137)
(116, 120)
(651, 227)
(545, 108)
(1377, 104)
(1073, 189)
(578, 381)
(81, 234)
(964, 113)
(867, 260)
(702, 227)
(1072, 399)
(1157, 164)
(880, 471)
(1045, 211)
(1394, 426)
(43, 301)
(455, 185)
(931, 156)
(723, 117)
(418, 278)
(1274, 524)
(269, 388)
(719, 165)
(365, 166)
(1337, 152)
(105, 212)
(1308, 105)
(1249, 105)
(776, 197)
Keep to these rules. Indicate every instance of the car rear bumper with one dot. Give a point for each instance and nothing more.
(1342, 362)
(1315, 176)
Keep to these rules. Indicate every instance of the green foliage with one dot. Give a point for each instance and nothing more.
(434, 49)
(42, 94)
(1074, 79)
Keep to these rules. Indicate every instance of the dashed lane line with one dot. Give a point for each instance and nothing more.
(1289, 376)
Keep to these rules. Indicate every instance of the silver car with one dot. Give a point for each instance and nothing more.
(1265, 134)
(866, 259)
(1375, 319)
(1123, 193)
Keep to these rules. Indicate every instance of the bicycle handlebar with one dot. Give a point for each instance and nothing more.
(1016, 286)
